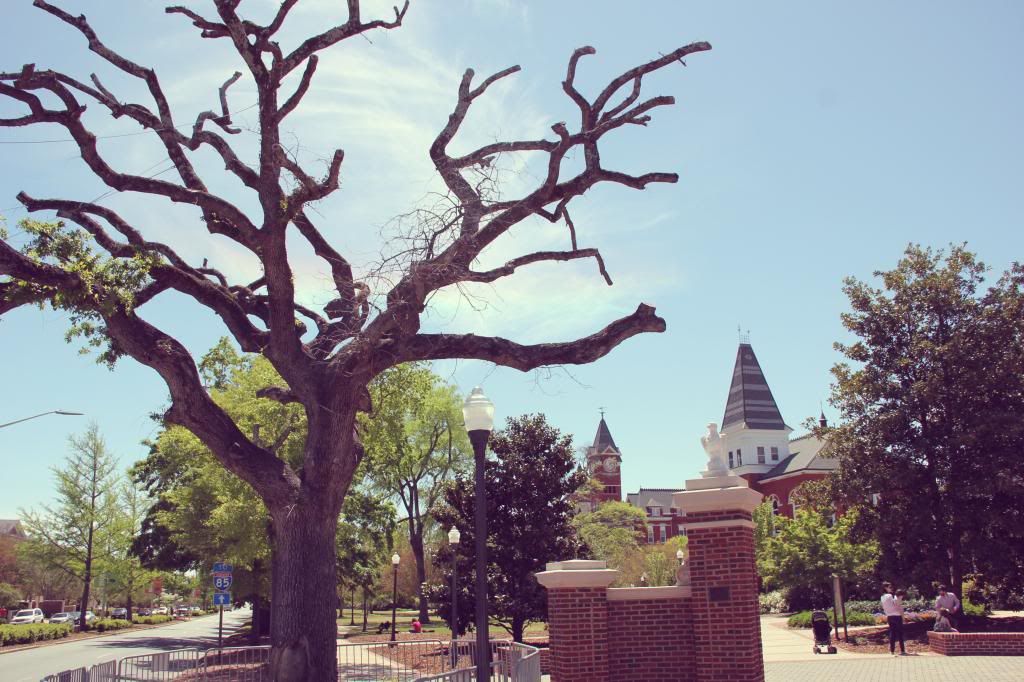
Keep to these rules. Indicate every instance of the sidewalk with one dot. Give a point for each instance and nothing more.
(781, 643)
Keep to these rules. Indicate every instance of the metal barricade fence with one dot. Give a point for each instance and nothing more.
(510, 662)
(166, 665)
(405, 661)
(237, 664)
(401, 661)
(103, 672)
(74, 675)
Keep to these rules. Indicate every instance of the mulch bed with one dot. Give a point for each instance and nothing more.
(915, 635)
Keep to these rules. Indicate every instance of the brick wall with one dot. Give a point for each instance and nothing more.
(578, 632)
(650, 641)
(977, 643)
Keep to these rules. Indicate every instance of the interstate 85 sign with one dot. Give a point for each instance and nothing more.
(222, 577)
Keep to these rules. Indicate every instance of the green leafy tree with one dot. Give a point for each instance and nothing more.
(805, 552)
(106, 269)
(414, 442)
(76, 533)
(612, 533)
(932, 401)
(530, 482)
(127, 577)
(10, 596)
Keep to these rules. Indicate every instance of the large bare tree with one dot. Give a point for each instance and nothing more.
(107, 271)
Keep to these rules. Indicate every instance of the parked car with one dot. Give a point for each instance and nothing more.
(28, 616)
(62, 617)
(89, 617)
(161, 611)
(120, 612)
(182, 611)
(144, 611)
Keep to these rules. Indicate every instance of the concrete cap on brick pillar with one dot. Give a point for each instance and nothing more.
(577, 573)
(716, 493)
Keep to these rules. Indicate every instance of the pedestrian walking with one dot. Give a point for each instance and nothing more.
(892, 607)
(948, 600)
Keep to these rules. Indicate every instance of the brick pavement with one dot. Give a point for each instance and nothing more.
(900, 669)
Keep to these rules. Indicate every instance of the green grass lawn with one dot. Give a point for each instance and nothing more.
(436, 627)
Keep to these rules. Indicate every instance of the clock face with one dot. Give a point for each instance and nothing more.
(611, 465)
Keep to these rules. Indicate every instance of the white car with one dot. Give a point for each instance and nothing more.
(62, 617)
(160, 611)
(27, 616)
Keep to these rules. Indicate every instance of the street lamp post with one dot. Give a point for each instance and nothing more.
(395, 560)
(453, 541)
(680, 555)
(43, 414)
(643, 580)
(478, 413)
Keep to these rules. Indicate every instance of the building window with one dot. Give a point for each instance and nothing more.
(672, 511)
(774, 499)
(760, 454)
(775, 454)
(650, 535)
(792, 503)
(611, 490)
(655, 511)
(731, 462)
(682, 531)
(664, 533)
(739, 457)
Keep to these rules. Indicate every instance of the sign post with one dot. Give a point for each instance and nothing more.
(222, 579)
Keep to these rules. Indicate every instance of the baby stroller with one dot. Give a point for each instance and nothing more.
(822, 633)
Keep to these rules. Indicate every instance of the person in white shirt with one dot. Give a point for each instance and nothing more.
(948, 600)
(892, 607)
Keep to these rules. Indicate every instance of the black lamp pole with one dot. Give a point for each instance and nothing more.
(394, 595)
(453, 541)
(483, 650)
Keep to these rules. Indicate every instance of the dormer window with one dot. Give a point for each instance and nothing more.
(655, 511)
(775, 454)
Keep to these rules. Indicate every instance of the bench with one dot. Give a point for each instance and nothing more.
(977, 643)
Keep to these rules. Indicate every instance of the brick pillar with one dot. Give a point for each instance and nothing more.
(578, 619)
(723, 577)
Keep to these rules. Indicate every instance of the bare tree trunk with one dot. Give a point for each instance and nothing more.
(303, 630)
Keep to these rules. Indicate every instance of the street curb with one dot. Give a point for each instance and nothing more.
(54, 642)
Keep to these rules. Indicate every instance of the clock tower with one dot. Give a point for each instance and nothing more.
(603, 464)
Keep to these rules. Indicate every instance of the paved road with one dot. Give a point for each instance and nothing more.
(31, 665)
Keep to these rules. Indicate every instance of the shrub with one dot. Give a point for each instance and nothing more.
(803, 619)
(34, 632)
(151, 620)
(972, 609)
(772, 602)
(105, 624)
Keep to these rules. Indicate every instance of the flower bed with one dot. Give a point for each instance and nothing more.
(803, 619)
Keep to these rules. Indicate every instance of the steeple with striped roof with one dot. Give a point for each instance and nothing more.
(750, 404)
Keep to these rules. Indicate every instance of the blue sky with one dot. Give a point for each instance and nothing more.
(813, 142)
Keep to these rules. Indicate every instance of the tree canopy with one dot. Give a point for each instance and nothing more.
(932, 401)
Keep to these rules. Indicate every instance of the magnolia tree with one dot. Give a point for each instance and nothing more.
(106, 270)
